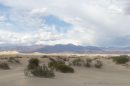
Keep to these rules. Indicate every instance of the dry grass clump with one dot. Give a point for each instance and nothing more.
(88, 62)
(18, 57)
(52, 59)
(4, 65)
(78, 62)
(13, 60)
(45, 56)
(73, 56)
(98, 64)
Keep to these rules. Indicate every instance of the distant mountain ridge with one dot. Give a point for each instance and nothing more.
(62, 48)
(68, 48)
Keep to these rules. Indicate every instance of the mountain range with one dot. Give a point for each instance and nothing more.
(60, 48)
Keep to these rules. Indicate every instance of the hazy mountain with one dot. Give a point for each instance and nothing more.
(50, 49)
(68, 48)
(60, 48)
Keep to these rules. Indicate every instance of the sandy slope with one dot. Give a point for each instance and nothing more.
(83, 77)
(109, 75)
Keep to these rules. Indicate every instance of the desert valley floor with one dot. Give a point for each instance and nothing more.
(110, 74)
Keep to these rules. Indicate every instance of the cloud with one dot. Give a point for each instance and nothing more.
(2, 18)
(92, 22)
(28, 38)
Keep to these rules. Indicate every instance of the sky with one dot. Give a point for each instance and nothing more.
(80, 22)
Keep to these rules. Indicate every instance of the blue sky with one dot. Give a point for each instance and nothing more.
(80, 22)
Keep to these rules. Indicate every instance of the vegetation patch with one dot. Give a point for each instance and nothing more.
(35, 69)
(43, 71)
(13, 60)
(98, 64)
(78, 62)
(33, 63)
(4, 65)
(88, 62)
(65, 69)
(54, 65)
(60, 66)
(45, 56)
(122, 59)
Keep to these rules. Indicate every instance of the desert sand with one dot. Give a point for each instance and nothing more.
(110, 75)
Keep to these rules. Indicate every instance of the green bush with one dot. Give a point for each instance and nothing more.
(35, 69)
(33, 63)
(88, 62)
(65, 69)
(122, 59)
(4, 65)
(54, 65)
(42, 71)
(77, 62)
(60, 66)
(98, 64)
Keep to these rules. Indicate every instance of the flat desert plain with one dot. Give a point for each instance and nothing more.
(110, 74)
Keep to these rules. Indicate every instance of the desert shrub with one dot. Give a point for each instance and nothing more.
(65, 69)
(13, 60)
(98, 64)
(35, 69)
(88, 62)
(17, 61)
(18, 57)
(45, 56)
(77, 62)
(122, 59)
(54, 65)
(4, 65)
(62, 58)
(52, 60)
(95, 58)
(33, 63)
(42, 71)
(60, 66)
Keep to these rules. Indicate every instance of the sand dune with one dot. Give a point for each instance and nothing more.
(8, 52)
(110, 75)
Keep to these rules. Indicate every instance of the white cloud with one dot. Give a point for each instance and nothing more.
(2, 18)
(95, 22)
(28, 38)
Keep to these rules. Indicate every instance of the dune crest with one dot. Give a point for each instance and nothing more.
(8, 52)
